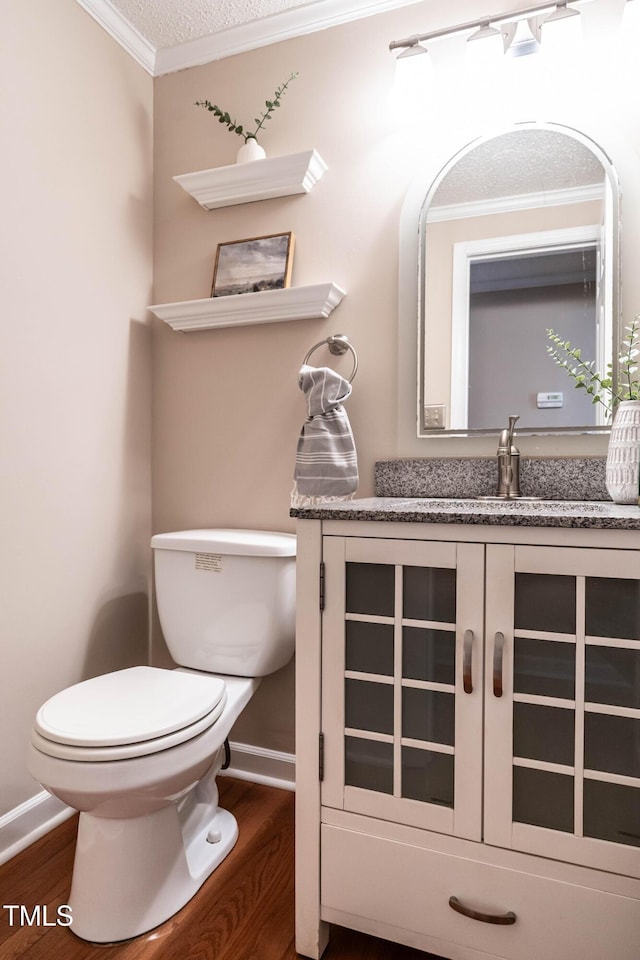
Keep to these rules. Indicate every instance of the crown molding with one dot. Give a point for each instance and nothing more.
(122, 31)
(226, 43)
(261, 33)
(524, 201)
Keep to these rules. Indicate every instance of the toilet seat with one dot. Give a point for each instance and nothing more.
(129, 713)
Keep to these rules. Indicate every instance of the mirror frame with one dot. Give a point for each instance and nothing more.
(612, 177)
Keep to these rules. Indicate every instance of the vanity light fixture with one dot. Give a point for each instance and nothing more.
(508, 29)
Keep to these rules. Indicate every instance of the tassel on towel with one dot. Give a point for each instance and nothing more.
(326, 462)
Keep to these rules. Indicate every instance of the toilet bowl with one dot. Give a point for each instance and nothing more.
(137, 751)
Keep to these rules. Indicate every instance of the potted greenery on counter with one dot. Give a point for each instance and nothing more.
(621, 400)
(251, 149)
(600, 386)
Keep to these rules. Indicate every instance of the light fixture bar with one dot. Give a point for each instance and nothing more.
(497, 18)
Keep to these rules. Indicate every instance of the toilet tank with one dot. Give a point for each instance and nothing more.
(226, 599)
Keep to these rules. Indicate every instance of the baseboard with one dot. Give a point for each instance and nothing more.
(259, 765)
(25, 824)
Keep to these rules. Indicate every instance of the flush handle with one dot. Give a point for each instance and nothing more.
(498, 648)
(467, 660)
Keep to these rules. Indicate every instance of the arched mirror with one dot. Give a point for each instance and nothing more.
(519, 233)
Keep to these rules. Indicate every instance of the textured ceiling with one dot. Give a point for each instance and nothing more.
(167, 23)
(519, 162)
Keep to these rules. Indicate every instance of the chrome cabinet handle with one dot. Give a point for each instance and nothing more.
(498, 647)
(467, 655)
(502, 918)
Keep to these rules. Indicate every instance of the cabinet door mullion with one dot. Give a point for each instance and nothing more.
(397, 684)
(498, 772)
(578, 766)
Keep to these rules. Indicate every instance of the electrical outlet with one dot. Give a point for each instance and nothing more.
(434, 414)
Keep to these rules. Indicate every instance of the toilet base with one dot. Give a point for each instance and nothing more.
(131, 875)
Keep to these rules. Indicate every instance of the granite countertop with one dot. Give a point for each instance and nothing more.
(564, 492)
(522, 513)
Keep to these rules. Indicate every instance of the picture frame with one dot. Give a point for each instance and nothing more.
(253, 265)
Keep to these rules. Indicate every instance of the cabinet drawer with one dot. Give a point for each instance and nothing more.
(408, 887)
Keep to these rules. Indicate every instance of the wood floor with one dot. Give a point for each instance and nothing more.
(243, 912)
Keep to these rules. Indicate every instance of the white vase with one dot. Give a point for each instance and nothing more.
(250, 150)
(623, 456)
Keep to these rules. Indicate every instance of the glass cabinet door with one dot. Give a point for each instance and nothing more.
(402, 681)
(563, 704)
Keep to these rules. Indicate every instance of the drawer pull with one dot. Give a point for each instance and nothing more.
(503, 918)
(467, 653)
(498, 646)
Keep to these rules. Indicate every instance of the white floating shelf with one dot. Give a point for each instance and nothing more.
(268, 306)
(256, 180)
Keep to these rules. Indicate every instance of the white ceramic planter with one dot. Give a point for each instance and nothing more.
(250, 150)
(623, 457)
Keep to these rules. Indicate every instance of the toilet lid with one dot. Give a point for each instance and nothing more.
(130, 706)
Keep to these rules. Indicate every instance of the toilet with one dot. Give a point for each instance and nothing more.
(137, 751)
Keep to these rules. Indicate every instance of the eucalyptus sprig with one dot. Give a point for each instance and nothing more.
(600, 387)
(234, 127)
(629, 383)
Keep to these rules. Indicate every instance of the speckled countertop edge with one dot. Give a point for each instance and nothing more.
(601, 515)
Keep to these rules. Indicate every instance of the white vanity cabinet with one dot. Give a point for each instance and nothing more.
(468, 738)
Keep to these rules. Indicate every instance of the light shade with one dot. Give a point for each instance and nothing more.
(413, 65)
(561, 12)
(522, 40)
(631, 15)
(562, 29)
(413, 78)
(485, 45)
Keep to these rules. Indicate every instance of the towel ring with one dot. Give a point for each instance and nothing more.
(338, 344)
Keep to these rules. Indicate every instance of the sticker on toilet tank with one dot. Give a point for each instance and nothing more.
(209, 561)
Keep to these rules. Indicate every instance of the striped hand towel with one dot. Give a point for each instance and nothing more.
(326, 466)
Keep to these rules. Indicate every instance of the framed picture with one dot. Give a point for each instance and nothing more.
(249, 266)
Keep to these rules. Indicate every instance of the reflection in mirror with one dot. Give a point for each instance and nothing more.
(519, 234)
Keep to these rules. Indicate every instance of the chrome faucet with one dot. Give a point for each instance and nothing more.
(508, 463)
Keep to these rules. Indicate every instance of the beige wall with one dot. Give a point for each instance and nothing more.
(75, 128)
(227, 409)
